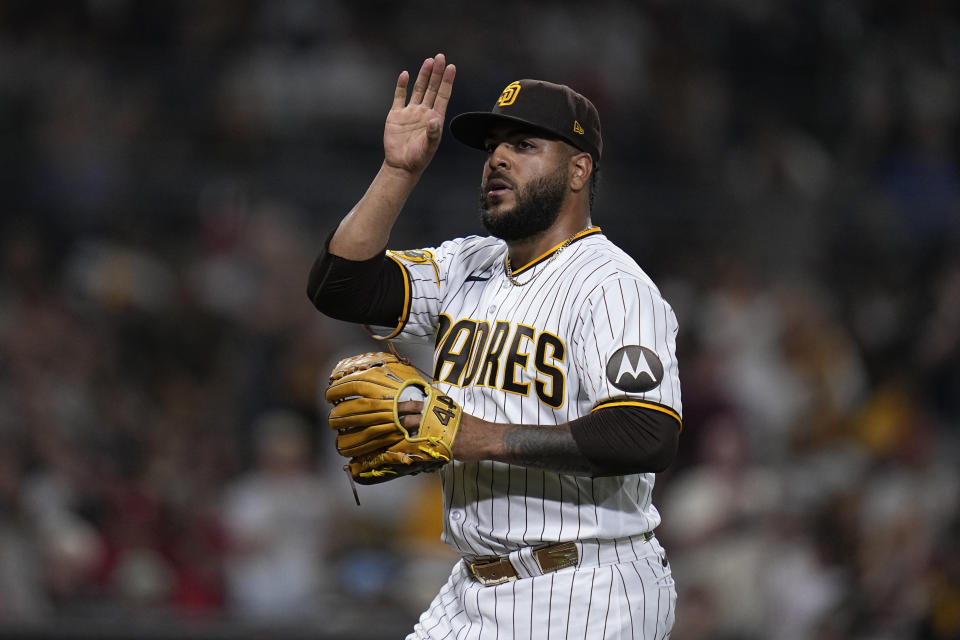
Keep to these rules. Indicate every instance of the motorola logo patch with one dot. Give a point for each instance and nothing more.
(634, 369)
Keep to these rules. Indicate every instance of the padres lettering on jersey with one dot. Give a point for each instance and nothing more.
(588, 330)
(469, 353)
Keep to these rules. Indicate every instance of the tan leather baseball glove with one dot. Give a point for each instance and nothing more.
(365, 391)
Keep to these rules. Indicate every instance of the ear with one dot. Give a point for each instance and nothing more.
(581, 166)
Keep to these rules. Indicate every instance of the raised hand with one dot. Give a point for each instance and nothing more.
(413, 129)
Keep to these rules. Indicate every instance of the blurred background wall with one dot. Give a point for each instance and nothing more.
(786, 171)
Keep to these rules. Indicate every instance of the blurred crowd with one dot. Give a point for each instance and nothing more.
(787, 171)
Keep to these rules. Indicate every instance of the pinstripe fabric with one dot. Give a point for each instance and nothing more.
(632, 598)
(539, 354)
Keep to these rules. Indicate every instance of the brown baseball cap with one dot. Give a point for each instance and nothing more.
(555, 109)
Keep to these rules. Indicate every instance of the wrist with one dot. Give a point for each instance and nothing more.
(399, 175)
(474, 438)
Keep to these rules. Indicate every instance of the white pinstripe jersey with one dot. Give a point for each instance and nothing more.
(588, 330)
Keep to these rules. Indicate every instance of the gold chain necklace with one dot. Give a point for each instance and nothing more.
(509, 270)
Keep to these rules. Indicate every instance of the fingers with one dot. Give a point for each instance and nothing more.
(400, 92)
(410, 407)
(445, 89)
(409, 413)
(433, 86)
(423, 79)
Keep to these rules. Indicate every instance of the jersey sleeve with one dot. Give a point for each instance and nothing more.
(425, 274)
(626, 348)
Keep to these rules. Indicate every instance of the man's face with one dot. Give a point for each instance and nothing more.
(525, 183)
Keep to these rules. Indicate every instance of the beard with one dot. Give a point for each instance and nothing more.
(537, 208)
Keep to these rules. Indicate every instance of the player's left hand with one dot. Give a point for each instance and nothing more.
(413, 127)
(409, 413)
(384, 434)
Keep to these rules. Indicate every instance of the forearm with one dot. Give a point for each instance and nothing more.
(551, 448)
(411, 135)
(365, 230)
(611, 441)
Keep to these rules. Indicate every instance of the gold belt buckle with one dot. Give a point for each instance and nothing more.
(556, 557)
(492, 571)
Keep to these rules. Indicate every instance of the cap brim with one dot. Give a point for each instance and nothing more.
(473, 128)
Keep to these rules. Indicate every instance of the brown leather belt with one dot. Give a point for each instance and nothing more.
(491, 571)
(495, 570)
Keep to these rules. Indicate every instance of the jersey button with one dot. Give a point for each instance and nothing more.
(492, 310)
(456, 515)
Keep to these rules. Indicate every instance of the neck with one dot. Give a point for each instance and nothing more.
(525, 251)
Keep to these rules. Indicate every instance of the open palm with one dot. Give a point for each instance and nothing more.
(413, 129)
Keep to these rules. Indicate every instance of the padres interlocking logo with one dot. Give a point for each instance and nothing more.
(509, 95)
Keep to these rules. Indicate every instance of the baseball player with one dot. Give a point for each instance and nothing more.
(557, 346)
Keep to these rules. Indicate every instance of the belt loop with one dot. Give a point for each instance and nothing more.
(524, 563)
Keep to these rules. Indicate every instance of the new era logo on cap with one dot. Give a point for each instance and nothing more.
(555, 109)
